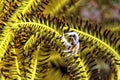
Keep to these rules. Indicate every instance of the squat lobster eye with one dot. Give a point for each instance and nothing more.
(73, 49)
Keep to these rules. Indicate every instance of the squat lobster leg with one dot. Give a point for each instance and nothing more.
(72, 34)
(67, 44)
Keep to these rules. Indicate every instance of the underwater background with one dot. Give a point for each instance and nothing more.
(59, 39)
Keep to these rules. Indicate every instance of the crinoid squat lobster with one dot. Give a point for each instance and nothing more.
(72, 49)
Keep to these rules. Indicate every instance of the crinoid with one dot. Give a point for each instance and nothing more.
(32, 46)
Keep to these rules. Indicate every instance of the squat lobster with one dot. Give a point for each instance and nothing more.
(72, 49)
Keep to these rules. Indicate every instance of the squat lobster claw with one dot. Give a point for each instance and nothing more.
(72, 49)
